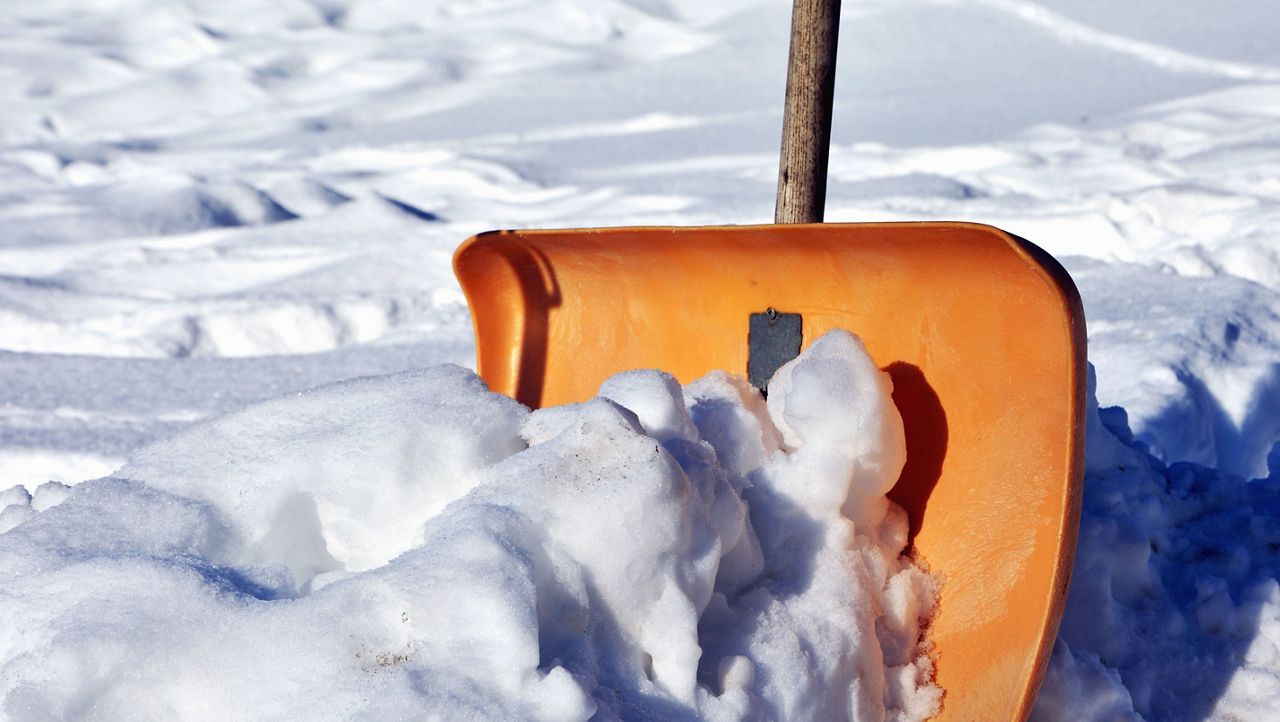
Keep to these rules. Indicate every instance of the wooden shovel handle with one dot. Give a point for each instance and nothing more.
(806, 120)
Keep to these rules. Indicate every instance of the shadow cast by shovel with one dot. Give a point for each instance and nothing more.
(925, 423)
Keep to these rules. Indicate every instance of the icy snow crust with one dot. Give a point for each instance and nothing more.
(415, 546)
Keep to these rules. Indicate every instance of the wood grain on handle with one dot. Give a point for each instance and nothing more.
(806, 122)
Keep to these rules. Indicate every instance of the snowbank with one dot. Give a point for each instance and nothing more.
(1174, 609)
(414, 544)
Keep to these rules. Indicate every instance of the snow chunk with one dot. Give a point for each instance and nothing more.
(48, 495)
(657, 401)
(835, 409)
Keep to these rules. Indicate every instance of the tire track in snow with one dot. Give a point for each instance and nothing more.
(1072, 31)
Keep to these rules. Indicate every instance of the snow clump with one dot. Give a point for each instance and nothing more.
(417, 546)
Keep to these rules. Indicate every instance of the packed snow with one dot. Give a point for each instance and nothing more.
(212, 213)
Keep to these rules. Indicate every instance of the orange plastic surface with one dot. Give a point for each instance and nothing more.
(982, 333)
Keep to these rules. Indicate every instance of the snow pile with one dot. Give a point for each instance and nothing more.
(1174, 608)
(414, 544)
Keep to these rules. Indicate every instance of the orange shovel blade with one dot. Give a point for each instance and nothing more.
(982, 332)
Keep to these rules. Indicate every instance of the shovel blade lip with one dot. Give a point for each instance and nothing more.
(981, 332)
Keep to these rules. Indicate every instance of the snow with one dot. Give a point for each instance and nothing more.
(1174, 609)
(208, 205)
(347, 458)
(467, 559)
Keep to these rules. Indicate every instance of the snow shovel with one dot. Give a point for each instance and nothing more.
(981, 331)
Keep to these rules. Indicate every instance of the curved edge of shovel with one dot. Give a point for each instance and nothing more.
(1056, 276)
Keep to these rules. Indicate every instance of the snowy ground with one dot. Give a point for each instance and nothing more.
(205, 204)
